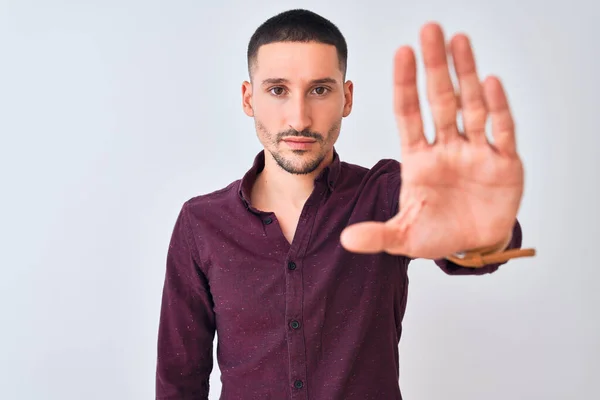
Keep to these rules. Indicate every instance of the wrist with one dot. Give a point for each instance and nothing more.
(498, 253)
(482, 251)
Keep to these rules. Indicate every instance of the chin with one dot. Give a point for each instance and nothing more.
(299, 162)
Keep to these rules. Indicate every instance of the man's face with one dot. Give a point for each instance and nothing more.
(298, 99)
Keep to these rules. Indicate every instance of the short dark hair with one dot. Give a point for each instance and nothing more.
(298, 25)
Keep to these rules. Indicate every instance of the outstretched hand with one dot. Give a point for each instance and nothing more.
(460, 192)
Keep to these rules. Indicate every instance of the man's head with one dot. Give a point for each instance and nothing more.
(297, 89)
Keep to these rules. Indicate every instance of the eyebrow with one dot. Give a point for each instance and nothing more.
(279, 81)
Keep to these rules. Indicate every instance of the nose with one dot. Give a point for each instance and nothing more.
(299, 114)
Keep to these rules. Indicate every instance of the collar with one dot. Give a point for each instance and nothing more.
(328, 175)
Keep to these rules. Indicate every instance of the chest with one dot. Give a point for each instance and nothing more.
(294, 267)
(288, 223)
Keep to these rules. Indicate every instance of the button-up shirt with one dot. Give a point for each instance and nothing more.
(306, 320)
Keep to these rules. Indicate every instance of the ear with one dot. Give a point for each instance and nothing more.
(247, 98)
(348, 97)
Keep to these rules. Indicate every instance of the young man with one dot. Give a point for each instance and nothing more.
(300, 267)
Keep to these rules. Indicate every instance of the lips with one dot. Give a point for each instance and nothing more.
(299, 143)
(299, 140)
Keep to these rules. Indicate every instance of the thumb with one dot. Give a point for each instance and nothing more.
(368, 237)
(391, 236)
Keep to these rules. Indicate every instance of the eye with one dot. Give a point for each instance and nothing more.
(321, 90)
(277, 91)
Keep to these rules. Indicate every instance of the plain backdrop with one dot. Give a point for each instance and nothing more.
(113, 113)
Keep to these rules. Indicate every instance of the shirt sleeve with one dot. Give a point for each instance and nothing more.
(187, 321)
(450, 268)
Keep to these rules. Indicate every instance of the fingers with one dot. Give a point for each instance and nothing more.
(472, 103)
(503, 128)
(406, 100)
(475, 99)
(440, 89)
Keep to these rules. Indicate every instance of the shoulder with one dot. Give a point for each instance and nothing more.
(385, 168)
(214, 202)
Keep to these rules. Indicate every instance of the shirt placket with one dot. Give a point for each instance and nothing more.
(294, 265)
(293, 310)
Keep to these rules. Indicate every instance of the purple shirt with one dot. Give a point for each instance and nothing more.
(308, 320)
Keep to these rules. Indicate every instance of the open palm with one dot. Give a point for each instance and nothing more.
(461, 191)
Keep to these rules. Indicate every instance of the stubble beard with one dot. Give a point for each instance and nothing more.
(293, 167)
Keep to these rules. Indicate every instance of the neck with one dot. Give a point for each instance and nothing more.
(276, 186)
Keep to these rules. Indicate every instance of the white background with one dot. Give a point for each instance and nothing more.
(113, 113)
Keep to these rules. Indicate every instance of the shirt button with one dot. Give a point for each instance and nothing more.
(267, 221)
(292, 265)
(298, 384)
(295, 324)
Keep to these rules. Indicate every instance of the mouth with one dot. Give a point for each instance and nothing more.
(299, 140)
(298, 143)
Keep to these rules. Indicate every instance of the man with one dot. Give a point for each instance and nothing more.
(300, 267)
